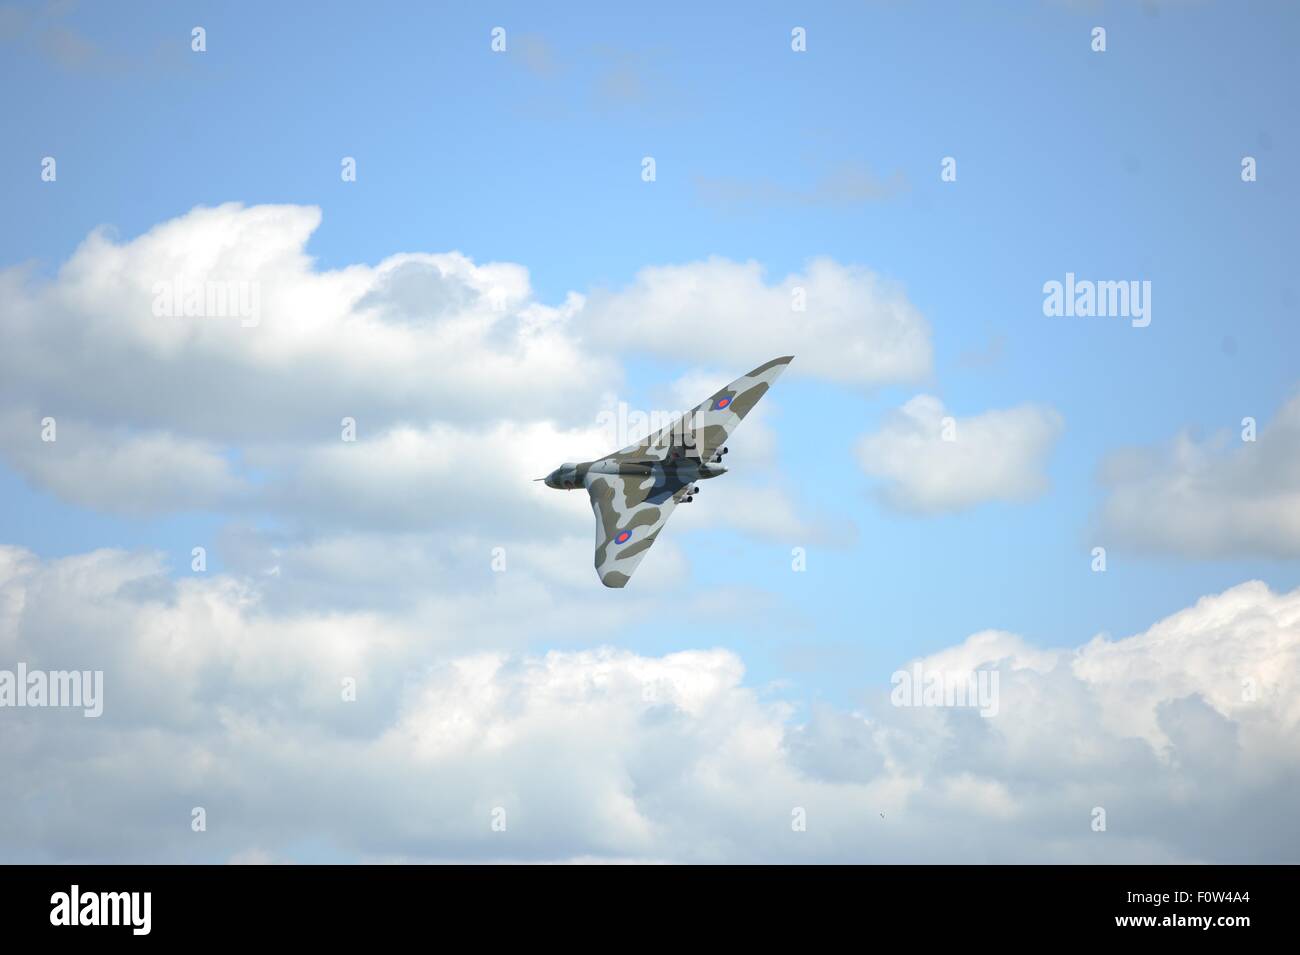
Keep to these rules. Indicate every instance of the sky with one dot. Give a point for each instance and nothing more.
(559, 213)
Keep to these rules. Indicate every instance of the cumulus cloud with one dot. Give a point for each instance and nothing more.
(421, 562)
(214, 699)
(856, 329)
(769, 512)
(414, 338)
(168, 396)
(1217, 498)
(930, 464)
(118, 471)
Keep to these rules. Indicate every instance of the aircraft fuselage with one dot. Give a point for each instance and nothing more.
(673, 473)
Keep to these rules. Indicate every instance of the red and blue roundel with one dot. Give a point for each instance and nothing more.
(721, 403)
(622, 537)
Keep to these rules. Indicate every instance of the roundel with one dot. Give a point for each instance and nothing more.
(721, 403)
(622, 537)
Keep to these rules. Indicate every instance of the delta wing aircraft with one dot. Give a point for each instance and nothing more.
(634, 490)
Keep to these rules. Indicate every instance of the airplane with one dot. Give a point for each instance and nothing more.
(633, 491)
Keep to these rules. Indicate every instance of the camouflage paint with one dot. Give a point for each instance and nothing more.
(639, 486)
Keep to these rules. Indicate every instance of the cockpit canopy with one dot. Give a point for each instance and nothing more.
(564, 477)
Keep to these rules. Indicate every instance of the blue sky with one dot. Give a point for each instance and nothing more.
(1116, 165)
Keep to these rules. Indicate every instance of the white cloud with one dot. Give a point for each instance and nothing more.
(412, 339)
(479, 689)
(994, 456)
(767, 512)
(1219, 498)
(214, 698)
(1237, 651)
(115, 470)
(462, 385)
(858, 329)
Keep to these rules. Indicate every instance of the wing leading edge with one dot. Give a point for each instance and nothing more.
(706, 427)
(631, 509)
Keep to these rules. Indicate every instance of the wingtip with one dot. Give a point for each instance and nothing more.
(773, 364)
